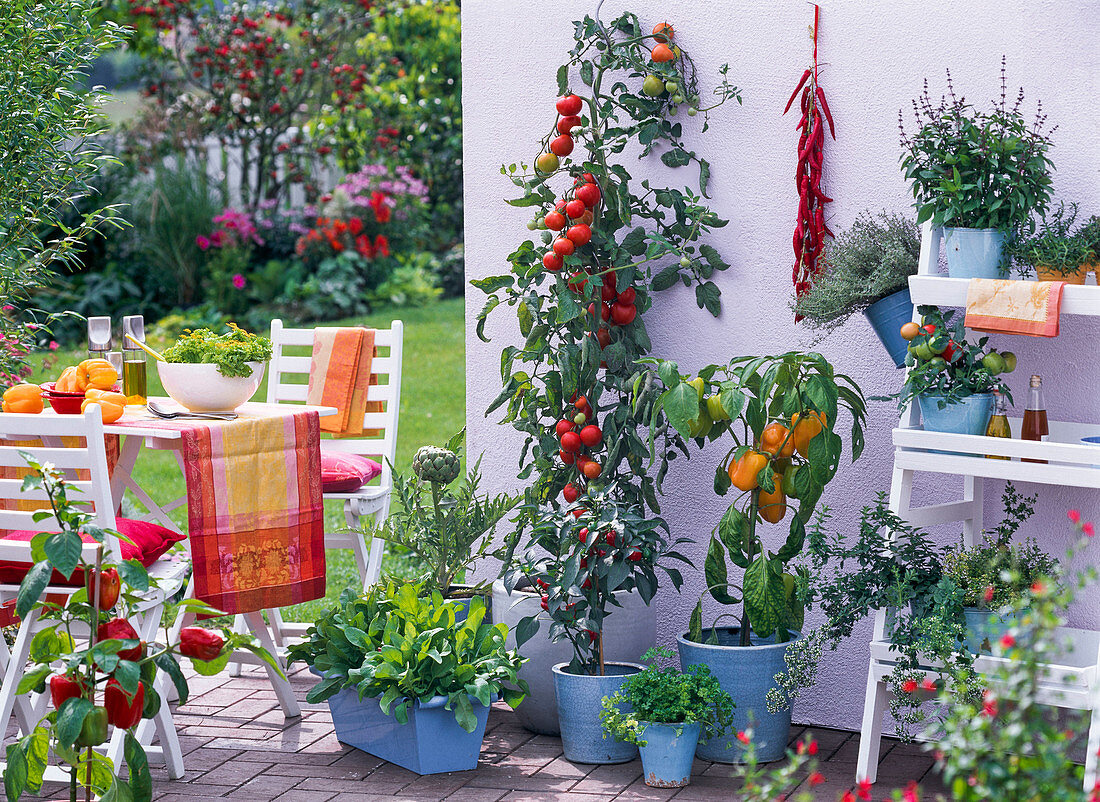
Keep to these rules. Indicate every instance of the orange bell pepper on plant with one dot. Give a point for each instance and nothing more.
(98, 374)
(773, 506)
(743, 471)
(112, 405)
(71, 380)
(775, 441)
(23, 398)
(806, 428)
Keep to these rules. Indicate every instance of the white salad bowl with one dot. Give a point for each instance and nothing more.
(201, 388)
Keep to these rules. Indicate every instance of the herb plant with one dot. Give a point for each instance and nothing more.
(977, 169)
(1089, 234)
(444, 523)
(1054, 246)
(871, 260)
(781, 412)
(580, 288)
(231, 351)
(666, 696)
(399, 645)
(944, 365)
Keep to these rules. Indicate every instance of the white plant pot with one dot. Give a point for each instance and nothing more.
(628, 632)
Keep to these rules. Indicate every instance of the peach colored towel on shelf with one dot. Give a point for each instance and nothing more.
(339, 375)
(1014, 307)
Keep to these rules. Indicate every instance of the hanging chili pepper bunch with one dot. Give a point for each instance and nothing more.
(811, 230)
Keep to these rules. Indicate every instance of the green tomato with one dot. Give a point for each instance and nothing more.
(993, 362)
(677, 98)
(653, 86)
(1010, 361)
(685, 261)
(692, 111)
(532, 225)
(922, 351)
(938, 343)
(671, 86)
(937, 363)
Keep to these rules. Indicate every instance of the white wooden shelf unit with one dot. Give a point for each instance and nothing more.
(1074, 681)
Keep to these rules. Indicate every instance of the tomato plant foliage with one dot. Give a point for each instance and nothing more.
(580, 304)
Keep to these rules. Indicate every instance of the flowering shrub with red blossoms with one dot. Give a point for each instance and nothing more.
(334, 236)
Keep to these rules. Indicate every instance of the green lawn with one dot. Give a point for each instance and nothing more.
(433, 407)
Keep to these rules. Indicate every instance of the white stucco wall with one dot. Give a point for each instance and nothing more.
(875, 57)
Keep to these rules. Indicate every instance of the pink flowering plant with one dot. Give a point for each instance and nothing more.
(229, 247)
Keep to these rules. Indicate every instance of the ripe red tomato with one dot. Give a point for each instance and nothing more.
(569, 105)
(627, 296)
(662, 53)
(587, 217)
(662, 32)
(589, 194)
(603, 335)
(566, 457)
(591, 435)
(562, 145)
(562, 427)
(577, 282)
(581, 403)
(605, 313)
(570, 493)
(552, 262)
(575, 208)
(555, 221)
(591, 469)
(623, 314)
(580, 234)
(571, 442)
(567, 124)
(607, 291)
(563, 246)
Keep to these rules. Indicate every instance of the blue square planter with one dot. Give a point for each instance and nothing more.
(431, 742)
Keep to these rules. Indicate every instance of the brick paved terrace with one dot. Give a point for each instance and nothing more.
(238, 746)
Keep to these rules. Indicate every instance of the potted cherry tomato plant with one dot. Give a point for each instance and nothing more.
(110, 681)
(781, 413)
(580, 287)
(953, 380)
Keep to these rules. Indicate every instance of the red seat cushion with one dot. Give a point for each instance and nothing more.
(345, 473)
(150, 541)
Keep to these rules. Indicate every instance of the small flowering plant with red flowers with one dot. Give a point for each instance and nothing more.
(107, 679)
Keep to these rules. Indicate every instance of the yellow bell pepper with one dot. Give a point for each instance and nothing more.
(111, 404)
(23, 398)
(98, 374)
(71, 381)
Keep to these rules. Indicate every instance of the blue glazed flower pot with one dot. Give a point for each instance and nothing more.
(746, 674)
(667, 757)
(969, 415)
(887, 316)
(430, 743)
(973, 252)
(983, 625)
(579, 698)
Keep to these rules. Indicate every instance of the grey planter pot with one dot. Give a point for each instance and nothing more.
(579, 698)
(745, 673)
(973, 252)
(986, 625)
(628, 632)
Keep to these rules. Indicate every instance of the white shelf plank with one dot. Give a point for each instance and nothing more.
(944, 291)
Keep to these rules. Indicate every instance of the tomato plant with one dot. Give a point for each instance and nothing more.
(781, 413)
(580, 306)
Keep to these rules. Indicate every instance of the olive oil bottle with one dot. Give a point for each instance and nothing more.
(134, 385)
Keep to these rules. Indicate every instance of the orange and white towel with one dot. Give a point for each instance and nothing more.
(339, 375)
(1014, 307)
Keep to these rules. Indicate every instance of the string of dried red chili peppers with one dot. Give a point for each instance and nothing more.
(810, 233)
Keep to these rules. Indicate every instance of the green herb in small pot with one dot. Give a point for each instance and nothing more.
(1054, 247)
(231, 351)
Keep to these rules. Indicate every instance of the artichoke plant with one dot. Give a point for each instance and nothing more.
(436, 465)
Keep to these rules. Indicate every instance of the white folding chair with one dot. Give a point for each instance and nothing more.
(287, 382)
(47, 437)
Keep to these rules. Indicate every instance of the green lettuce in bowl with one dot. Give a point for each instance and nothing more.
(231, 351)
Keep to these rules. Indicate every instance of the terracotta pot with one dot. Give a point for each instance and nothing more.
(1048, 274)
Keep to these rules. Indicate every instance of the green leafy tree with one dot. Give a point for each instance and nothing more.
(46, 130)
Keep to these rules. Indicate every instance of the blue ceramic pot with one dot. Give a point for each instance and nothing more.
(746, 674)
(430, 743)
(973, 252)
(579, 698)
(667, 757)
(986, 625)
(887, 316)
(969, 415)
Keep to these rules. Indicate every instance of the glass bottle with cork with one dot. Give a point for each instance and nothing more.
(133, 360)
(1035, 415)
(998, 421)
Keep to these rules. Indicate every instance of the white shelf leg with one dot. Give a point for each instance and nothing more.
(870, 732)
(972, 494)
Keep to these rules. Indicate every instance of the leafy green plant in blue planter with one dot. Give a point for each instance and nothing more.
(405, 680)
(665, 712)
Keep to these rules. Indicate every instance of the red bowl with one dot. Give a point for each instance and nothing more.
(62, 403)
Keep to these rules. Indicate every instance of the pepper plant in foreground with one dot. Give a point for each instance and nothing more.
(606, 243)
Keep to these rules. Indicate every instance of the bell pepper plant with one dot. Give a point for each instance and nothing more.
(781, 414)
(109, 679)
(603, 245)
